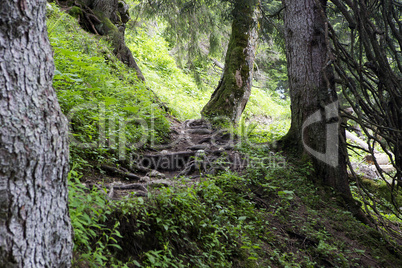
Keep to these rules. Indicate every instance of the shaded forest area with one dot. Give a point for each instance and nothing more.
(236, 133)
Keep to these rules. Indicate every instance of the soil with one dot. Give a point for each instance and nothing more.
(195, 149)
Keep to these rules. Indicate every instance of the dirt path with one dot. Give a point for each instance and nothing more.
(195, 150)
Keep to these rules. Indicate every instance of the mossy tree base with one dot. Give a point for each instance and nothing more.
(230, 97)
(106, 17)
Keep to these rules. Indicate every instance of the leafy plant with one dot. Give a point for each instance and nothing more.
(88, 211)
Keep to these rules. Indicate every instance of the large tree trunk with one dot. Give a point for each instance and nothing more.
(35, 228)
(230, 97)
(315, 127)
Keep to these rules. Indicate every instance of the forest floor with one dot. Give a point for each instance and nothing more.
(195, 149)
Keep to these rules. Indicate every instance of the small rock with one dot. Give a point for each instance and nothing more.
(200, 131)
(160, 183)
(145, 179)
(200, 152)
(155, 174)
(199, 146)
(228, 147)
(385, 168)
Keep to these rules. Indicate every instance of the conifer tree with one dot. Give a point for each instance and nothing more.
(312, 92)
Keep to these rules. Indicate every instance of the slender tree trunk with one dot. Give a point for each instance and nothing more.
(114, 16)
(230, 97)
(108, 17)
(315, 127)
(35, 229)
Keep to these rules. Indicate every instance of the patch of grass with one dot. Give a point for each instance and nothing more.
(176, 88)
(261, 103)
(108, 108)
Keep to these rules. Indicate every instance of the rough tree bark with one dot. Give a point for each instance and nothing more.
(35, 229)
(230, 97)
(312, 89)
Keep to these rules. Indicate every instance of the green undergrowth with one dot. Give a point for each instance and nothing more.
(178, 88)
(107, 107)
(271, 215)
(377, 194)
(382, 189)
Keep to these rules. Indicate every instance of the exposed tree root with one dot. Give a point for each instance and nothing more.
(119, 172)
